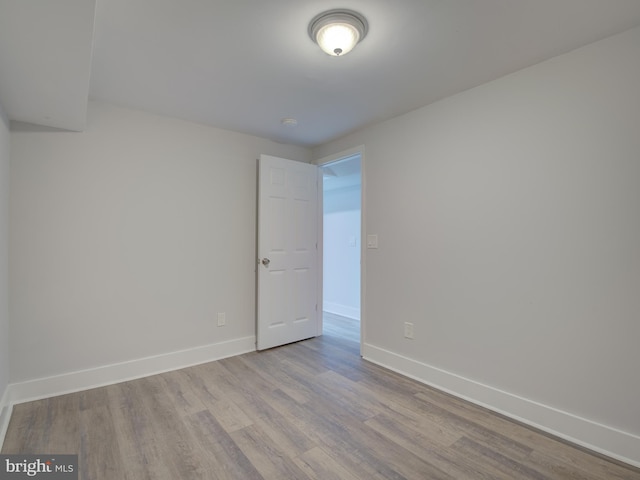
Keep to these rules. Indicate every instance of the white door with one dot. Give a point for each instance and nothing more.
(287, 252)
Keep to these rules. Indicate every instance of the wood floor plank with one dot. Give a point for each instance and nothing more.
(28, 428)
(334, 358)
(63, 434)
(181, 391)
(490, 458)
(310, 410)
(317, 384)
(178, 455)
(463, 426)
(269, 458)
(203, 382)
(319, 465)
(396, 427)
(351, 393)
(269, 365)
(98, 453)
(227, 460)
(327, 428)
(429, 447)
(230, 415)
(343, 328)
(141, 438)
(344, 431)
(547, 452)
(266, 417)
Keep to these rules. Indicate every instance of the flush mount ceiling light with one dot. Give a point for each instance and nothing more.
(338, 31)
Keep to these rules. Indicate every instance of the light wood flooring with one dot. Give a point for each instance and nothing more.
(341, 327)
(310, 410)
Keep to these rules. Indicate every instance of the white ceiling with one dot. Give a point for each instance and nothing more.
(244, 65)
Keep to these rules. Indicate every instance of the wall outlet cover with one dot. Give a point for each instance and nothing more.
(408, 330)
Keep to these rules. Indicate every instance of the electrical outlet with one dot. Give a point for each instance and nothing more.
(222, 319)
(408, 330)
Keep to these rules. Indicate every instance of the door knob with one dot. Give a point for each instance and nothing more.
(266, 262)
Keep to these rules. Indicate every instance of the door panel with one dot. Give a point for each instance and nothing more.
(287, 232)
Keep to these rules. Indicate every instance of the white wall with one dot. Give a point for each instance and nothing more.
(127, 239)
(341, 251)
(4, 261)
(509, 234)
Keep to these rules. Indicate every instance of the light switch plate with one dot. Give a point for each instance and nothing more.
(372, 241)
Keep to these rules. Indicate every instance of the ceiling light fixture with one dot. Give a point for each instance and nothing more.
(338, 31)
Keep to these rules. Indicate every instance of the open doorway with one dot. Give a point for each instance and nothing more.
(342, 227)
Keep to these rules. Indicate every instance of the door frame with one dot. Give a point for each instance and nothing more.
(320, 163)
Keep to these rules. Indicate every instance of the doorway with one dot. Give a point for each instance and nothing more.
(342, 235)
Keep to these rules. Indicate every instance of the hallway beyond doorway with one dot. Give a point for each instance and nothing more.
(342, 327)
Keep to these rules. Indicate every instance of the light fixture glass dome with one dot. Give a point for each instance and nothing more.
(338, 31)
(337, 38)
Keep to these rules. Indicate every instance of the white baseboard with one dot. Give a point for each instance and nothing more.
(600, 438)
(342, 310)
(124, 371)
(5, 415)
